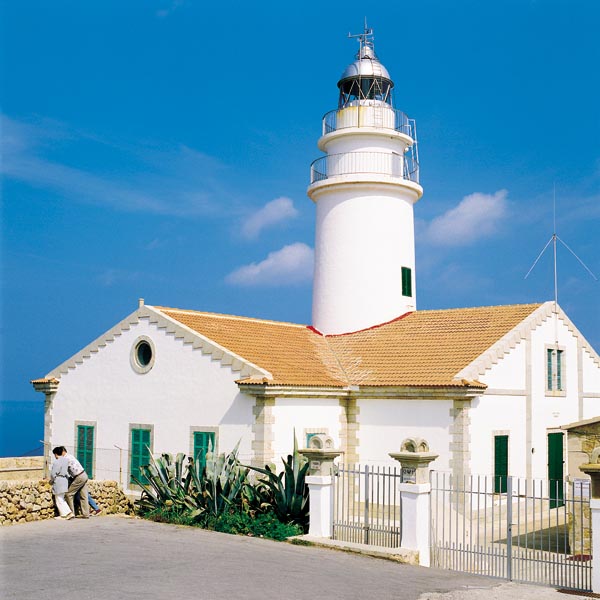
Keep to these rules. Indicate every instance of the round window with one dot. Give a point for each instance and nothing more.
(144, 354)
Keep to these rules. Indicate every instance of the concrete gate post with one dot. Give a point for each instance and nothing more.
(593, 470)
(320, 456)
(415, 490)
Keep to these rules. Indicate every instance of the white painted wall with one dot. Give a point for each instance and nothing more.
(362, 242)
(183, 389)
(386, 423)
(495, 415)
(591, 374)
(510, 372)
(591, 408)
(302, 414)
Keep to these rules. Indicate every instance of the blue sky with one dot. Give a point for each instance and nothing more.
(161, 149)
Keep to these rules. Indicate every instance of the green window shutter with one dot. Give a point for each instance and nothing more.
(85, 448)
(406, 281)
(140, 453)
(559, 369)
(203, 441)
(500, 463)
(549, 369)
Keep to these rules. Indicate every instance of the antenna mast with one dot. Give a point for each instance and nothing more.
(553, 241)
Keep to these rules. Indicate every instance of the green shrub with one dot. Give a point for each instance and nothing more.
(169, 515)
(265, 525)
(288, 490)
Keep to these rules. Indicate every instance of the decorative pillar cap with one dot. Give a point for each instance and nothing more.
(414, 457)
(593, 470)
(320, 454)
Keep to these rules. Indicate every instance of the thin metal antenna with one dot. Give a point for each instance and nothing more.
(553, 241)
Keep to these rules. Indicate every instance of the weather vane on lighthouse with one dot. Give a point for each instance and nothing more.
(365, 39)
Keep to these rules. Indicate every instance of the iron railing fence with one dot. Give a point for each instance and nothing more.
(530, 531)
(367, 505)
(380, 116)
(369, 163)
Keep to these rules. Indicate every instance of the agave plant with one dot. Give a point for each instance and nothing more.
(165, 486)
(218, 484)
(289, 489)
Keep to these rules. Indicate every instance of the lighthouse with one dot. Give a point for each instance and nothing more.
(364, 189)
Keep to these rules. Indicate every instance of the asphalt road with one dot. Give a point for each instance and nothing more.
(119, 558)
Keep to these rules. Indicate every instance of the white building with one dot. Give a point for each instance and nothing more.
(487, 387)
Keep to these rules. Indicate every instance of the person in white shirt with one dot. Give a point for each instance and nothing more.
(59, 478)
(78, 483)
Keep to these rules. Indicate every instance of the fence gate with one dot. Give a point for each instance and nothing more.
(516, 530)
(367, 507)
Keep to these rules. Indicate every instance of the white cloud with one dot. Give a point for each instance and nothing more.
(291, 265)
(272, 213)
(477, 216)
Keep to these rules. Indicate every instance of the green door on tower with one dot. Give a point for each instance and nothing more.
(555, 469)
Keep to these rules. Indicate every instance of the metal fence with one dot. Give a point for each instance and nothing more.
(531, 531)
(367, 506)
(371, 163)
(379, 115)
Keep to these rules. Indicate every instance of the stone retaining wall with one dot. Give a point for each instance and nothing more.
(23, 501)
(21, 468)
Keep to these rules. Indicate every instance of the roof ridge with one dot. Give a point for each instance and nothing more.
(524, 304)
(227, 316)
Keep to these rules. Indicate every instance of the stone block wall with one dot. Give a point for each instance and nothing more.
(21, 468)
(24, 501)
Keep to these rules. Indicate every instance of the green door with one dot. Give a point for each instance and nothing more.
(140, 453)
(85, 448)
(555, 469)
(500, 463)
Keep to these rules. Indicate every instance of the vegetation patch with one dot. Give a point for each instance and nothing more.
(217, 494)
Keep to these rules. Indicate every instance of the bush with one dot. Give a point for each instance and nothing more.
(164, 514)
(265, 525)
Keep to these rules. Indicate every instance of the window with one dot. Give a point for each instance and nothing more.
(406, 281)
(554, 370)
(203, 442)
(140, 453)
(142, 355)
(85, 448)
(500, 463)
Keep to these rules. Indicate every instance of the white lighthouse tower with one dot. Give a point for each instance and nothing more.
(364, 189)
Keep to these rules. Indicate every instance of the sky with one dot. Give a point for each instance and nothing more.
(161, 149)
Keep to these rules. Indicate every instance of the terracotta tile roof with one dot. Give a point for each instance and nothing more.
(44, 380)
(423, 348)
(292, 353)
(428, 347)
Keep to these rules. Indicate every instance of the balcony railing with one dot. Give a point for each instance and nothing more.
(380, 116)
(365, 163)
